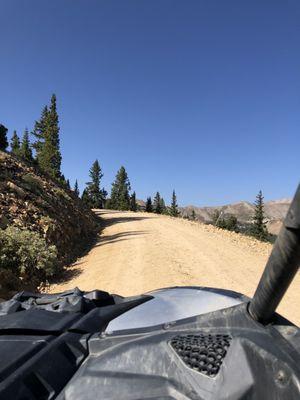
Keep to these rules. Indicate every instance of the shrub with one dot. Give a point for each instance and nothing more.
(27, 255)
(32, 183)
(62, 194)
(229, 223)
(9, 283)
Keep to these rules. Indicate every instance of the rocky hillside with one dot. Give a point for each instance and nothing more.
(275, 212)
(30, 200)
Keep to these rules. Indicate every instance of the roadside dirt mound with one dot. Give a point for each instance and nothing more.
(138, 252)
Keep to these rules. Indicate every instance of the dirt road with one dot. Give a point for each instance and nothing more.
(138, 252)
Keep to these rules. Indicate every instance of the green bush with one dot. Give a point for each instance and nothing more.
(62, 193)
(32, 183)
(229, 223)
(27, 255)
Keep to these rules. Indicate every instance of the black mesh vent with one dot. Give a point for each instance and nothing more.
(203, 353)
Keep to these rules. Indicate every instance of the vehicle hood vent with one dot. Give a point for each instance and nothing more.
(203, 353)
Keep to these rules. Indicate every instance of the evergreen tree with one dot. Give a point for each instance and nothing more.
(232, 223)
(15, 144)
(93, 195)
(119, 199)
(63, 179)
(3, 138)
(39, 131)
(193, 215)
(108, 204)
(157, 203)
(47, 147)
(259, 229)
(53, 139)
(164, 209)
(68, 184)
(25, 149)
(215, 217)
(149, 205)
(76, 189)
(225, 222)
(133, 203)
(174, 212)
(85, 198)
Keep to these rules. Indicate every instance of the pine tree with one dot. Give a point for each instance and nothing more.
(25, 149)
(68, 184)
(85, 198)
(164, 209)
(193, 215)
(63, 179)
(15, 144)
(119, 199)
(39, 130)
(232, 223)
(157, 203)
(46, 131)
(3, 138)
(93, 195)
(216, 217)
(149, 205)
(174, 212)
(259, 229)
(219, 220)
(76, 189)
(133, 203)
(53, 139)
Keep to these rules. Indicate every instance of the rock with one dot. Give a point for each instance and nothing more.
(13, 208)
(3, 222)
(13, 187)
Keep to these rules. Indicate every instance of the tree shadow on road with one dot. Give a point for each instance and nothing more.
(122, 219)
(72, 271)
(104, 212)
(69, 272)
(118, 237)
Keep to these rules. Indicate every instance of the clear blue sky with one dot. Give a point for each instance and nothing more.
(200, 96)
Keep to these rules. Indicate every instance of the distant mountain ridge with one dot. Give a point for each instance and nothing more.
(275, 212)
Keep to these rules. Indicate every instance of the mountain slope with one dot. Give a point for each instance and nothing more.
(275, 212)
(29, 200)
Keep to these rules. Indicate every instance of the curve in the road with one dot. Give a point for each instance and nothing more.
(139, 252)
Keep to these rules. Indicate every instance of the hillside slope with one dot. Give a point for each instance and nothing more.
(30, 200)
(138, 252)
(275, 212)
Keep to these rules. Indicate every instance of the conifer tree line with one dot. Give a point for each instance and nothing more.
(20, 148)
(95, 196)
(158, 205)
(44, 150)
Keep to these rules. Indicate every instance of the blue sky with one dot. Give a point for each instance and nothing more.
(200, 96)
